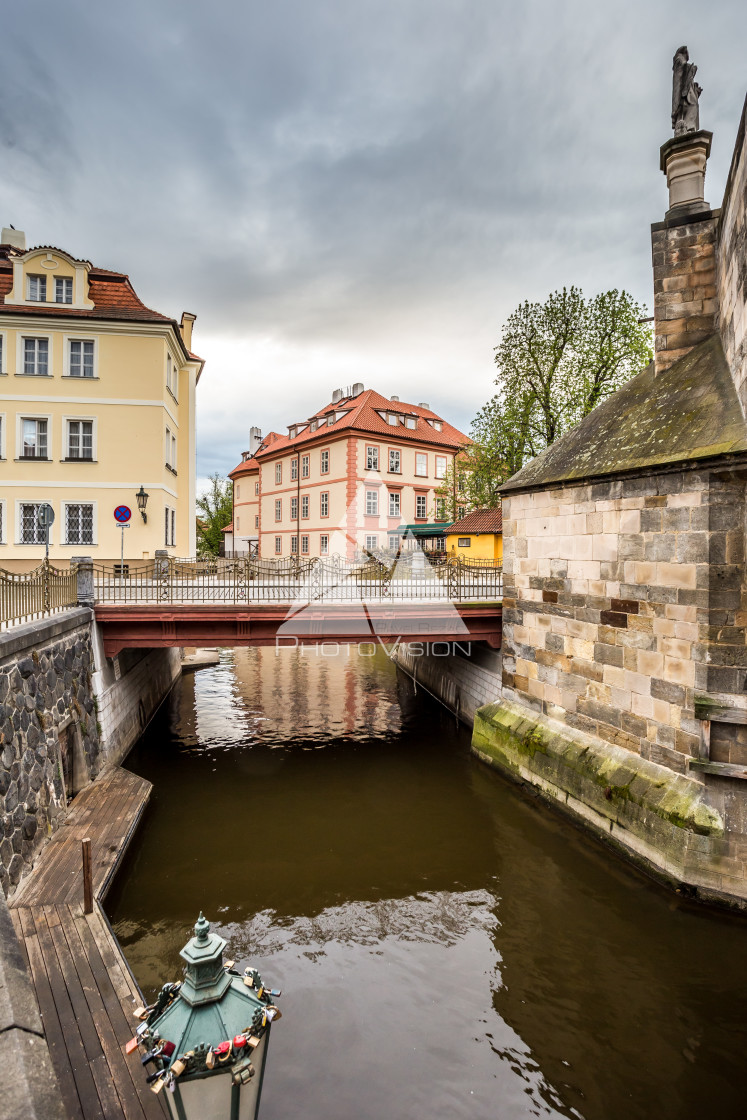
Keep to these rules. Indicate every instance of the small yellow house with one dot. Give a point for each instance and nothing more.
(478, 536)
(97, 403)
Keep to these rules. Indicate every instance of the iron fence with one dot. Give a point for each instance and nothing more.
(298, 579)
(25, 596)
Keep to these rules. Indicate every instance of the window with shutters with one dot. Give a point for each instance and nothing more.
(80, 439)
(37, 289)
(33, 438)
(324, 462)
(63, 289)
(394, 504)
(78, 523)
(36, 356)
(372, 503)
(81, 357)
(31, 532)
(372, 458)
(324, 504)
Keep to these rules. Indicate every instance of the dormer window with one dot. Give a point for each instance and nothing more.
(410, 422)
(63, 289)
(330, 419)
(37, 289)
(313, 426)
(436, 424)
(391, 420)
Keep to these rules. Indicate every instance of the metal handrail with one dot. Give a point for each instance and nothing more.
(25, 596)
(409, 577)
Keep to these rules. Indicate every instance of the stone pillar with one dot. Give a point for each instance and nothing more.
(684, 253)
(162, 562)
(85, 580)
(683, 161)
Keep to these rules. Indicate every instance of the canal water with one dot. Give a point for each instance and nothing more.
(447, 948)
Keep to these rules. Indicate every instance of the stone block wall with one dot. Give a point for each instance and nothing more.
(464, 679)
(49, 735)
(685, 292)
(624, 598)
(732, 266)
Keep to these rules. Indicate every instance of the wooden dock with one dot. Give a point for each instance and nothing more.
(85, 991)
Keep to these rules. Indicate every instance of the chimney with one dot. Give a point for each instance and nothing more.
(14, 237)
(357, 389)
(337, 396)
(424, 404)
(255, 440)
(185, 326)
(684, 244)
(393, 398)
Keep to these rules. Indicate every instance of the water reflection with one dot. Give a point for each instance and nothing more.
(446, 947)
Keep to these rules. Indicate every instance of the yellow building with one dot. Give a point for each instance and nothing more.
(478, 536)
(97, 399)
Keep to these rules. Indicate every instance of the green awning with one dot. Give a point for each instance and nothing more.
(435, 529)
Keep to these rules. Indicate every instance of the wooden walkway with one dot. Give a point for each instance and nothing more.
(85, 991)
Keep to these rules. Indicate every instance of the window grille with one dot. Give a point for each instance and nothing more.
(78, 523)
(31, 531)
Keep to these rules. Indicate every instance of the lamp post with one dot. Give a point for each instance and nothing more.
(207, 1036)
(142, 501)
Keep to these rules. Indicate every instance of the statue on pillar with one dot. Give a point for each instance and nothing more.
(685, 94)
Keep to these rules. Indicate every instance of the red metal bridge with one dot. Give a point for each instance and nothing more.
(324, 600)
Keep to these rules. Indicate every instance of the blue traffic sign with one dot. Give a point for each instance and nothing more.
(122, 514)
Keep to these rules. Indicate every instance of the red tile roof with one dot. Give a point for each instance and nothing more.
(228, 528)
(246, 466)
(479, 521)
(361, 415)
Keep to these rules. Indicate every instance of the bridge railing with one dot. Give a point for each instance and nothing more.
(25, 596)
(297, 579)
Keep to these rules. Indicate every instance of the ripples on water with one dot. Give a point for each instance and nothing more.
(446, 947)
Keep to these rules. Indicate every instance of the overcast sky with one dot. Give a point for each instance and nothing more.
(353, 191)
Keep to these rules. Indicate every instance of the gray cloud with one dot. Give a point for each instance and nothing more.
(352, 191)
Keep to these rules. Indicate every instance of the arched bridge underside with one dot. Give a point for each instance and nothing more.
(151, 625)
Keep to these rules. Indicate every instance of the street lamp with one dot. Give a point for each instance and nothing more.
(142, 501)
(207, 1037)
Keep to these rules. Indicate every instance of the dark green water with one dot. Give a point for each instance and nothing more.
(446, 947)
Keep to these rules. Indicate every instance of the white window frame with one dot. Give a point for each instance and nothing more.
(304, 544)
(3, 521)
(171, 449)
(395, 500)
(35, 276)
(169, 527)
(324, 461)
(94, 523)
(21, 337)
(421, 501)
(65, 445)
(64, 280)
(372, 500)
(278, 474)
(411, 422)
(278, 546)
(442, 465)
(172, 375)
(294, 508)
(395, 456)
(421, 459)
(305, 507)
(294, 469)
(372, 455)
(20, 417)
(294, 546)
(20, 502)
(256, 521)
(324, 503)
(278, 509)
(391, 420)
(3, 352)
(256, 488)
(66, 348)
(305, 466)
(372, 542)
(3, 434)
(324, 544)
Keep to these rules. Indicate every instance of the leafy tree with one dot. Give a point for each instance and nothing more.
(214, 512)
(556, 361)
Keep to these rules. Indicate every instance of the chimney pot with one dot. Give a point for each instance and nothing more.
(14, 237)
